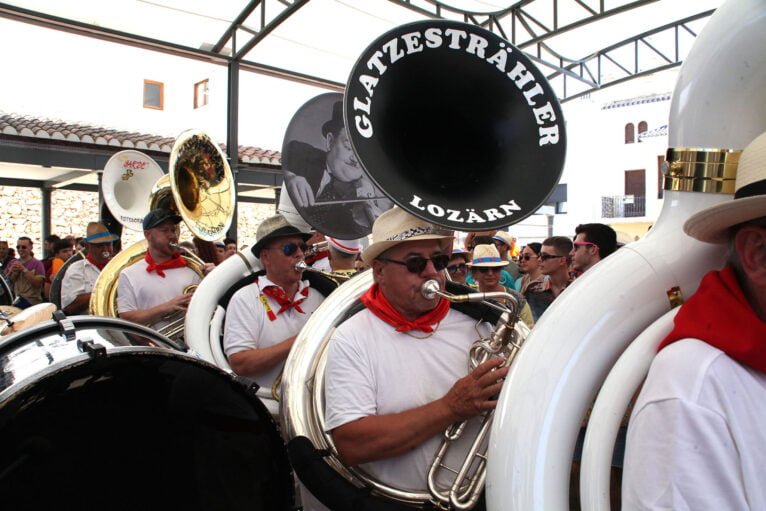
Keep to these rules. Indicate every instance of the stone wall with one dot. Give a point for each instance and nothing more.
(71, 211)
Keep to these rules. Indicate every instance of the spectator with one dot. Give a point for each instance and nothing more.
(458, 265)
(27, 275)
(592, 243)
(533, 280)
(48, 249)
(230, 248)
(5, 255)
(506, 245)
(62, 251)
(486, 265)
(554, 264)
(506, 279)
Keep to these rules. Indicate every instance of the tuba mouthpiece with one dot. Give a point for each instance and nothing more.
(301, 266)
(430, 289)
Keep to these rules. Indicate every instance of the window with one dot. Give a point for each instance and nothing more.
(200, 94)
(154, 94)
(630, 133)
(642, 128)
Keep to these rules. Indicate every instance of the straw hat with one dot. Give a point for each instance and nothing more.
(503, 237)
(749, 202)
(397, 226)
(462, 253)
(275, 227)
(487, 256)
(96, 233)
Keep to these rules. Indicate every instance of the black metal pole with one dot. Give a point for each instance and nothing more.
(45, 226)
(232, 136)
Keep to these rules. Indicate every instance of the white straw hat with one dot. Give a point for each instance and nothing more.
(486, 256)
(397, 226)
(749, 202)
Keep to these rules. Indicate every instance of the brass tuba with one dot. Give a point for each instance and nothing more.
(199, 186)
(434, 111)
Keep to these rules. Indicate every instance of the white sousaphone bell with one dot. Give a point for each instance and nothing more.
(612, 311)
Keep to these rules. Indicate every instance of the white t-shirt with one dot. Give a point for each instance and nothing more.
(139, 289)
(248, 325)
(696, 438)
(79, 279)
(374, 370)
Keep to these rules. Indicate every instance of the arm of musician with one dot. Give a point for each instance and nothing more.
(376, 437)
(299, 189)
(257, 361)
(157, 313)
(79, 305)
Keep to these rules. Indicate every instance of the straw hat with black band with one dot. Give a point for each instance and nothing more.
(272, 228)
(396, 226)
(714, 224)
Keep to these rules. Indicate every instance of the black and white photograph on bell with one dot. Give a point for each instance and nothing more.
(323, 177)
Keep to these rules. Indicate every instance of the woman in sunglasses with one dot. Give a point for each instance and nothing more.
(486, 268)
(533, 280)
(458, 265)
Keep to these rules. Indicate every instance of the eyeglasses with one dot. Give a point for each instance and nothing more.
(527, 257)
(416, 264)
(291, 248)
(488, 269)
(584, 244)
(545, 256)
(453, 268)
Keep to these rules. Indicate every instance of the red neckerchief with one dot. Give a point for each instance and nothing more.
(174, 262)
(719, 314)
(95, 263)
(316, 257)
(285, 303)
(374, 300)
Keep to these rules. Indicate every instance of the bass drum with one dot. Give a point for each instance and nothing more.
(101, 413)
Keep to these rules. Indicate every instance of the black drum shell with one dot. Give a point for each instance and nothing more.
(130, 426)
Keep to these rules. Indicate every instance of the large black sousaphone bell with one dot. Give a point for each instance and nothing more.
(455, 125)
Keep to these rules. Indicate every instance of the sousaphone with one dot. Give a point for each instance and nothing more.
(199, 186)
(457, 127)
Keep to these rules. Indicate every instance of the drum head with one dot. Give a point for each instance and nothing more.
(133, 428)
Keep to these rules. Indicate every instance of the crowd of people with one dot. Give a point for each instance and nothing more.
(383, 415)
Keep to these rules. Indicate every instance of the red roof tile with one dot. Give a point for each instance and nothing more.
(28, 126)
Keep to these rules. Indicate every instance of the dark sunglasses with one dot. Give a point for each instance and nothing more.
(19, 247)
(527, 257)
(545, 257)
(487, 269)
(416, 264)
(455, 267)
(291, 248)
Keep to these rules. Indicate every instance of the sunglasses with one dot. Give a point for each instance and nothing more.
(527, 257)
(487, 269)
(19, 247)
(291, 248)
(545, 257)
(453, 268)
(416, 264)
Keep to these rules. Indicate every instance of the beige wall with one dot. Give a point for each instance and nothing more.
(71, 211)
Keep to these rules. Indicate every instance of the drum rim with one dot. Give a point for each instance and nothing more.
(81, 322)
